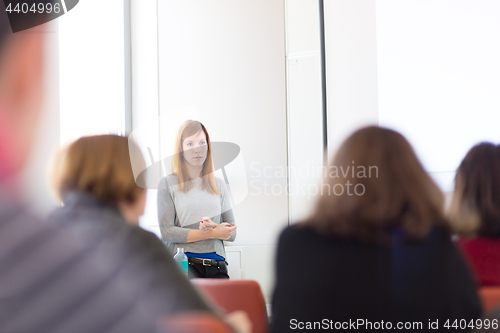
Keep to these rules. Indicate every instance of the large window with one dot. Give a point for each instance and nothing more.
(439, 77)
(91, 55)
(428, 69)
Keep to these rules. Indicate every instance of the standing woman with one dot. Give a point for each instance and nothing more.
(194, 210)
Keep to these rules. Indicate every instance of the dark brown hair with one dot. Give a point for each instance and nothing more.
(393, 190)
(99, 165)
(475, 207)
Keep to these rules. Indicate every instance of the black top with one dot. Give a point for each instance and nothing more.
(85, 270)
(340, 280)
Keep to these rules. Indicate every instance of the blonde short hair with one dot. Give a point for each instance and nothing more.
(99, 165)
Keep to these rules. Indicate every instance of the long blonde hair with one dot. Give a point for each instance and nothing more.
(187, 129)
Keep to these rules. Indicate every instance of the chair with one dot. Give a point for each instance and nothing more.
(490, 297)
(193, 322)
(232, 295)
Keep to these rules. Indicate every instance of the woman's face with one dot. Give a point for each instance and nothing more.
(195, 149)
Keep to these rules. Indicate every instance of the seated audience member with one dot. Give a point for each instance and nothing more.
(376, 248)
(475, 211)
(95, 181)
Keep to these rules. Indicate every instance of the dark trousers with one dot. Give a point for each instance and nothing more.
(196, 270)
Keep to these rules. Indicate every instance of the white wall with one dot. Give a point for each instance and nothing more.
(145, 99)
(428, 69)
(304, 105)
(351, 67)
(439, 77)
(224, 61)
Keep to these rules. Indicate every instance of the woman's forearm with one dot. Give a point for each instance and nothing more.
(198, 235)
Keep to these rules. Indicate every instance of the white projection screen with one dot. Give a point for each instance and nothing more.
(438, 75)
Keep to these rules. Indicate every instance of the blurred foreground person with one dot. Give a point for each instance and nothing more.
(57, 277)
(94, 179)
(376, 251)
(475, 211)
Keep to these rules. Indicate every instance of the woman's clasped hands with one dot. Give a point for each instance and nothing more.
(218, 231)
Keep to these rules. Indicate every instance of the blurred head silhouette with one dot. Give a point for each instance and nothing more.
(100, 166)
(475, 207)
(388, 185)
(21, 91)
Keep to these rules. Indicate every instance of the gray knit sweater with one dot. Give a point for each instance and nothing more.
(178, 212)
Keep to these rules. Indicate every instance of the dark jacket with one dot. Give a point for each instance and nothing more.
(85, 270)
(337, 280)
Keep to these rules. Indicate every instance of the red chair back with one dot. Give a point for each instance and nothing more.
(232, 295)
(194, 322)
(490, 297)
